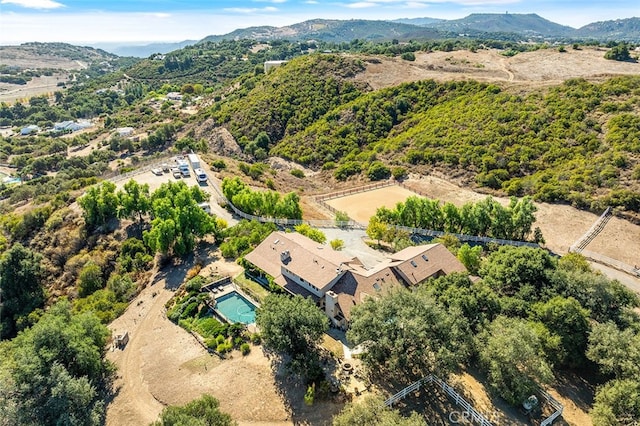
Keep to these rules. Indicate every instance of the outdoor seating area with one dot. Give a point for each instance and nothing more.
(350, 376)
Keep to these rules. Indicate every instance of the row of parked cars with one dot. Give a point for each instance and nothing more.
(182, 169)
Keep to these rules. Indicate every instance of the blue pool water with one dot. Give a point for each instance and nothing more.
(236, 308)
(9, 180)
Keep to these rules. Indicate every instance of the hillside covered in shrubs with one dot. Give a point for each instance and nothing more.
(578, 142)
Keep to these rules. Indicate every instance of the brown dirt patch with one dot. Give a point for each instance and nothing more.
(45, 85)
(524, 71)
(360, 207)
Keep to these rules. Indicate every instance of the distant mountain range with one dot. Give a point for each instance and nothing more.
(335, 31)
(143, 51)
(527, 25)
(479, 25)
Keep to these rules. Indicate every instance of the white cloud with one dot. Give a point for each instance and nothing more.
(421, 4)
(415, 5)
(361, 5)
(34, 4)
(159, 15)
(475, 2)
(250, 10)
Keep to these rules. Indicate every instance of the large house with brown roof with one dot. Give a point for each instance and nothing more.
(338, 282)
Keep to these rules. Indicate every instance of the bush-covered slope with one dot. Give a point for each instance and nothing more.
(290, 98)
(578, 142)
(211, 64)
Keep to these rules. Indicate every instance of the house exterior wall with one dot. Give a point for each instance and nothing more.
(320, 292)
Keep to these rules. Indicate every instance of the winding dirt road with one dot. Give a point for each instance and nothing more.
(134, 403)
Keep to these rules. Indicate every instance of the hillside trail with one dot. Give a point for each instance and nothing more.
(505, 68)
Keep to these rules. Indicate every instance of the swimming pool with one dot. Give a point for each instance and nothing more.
(9, 180)
(236, 308)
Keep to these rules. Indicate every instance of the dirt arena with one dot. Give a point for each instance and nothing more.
(561, 225)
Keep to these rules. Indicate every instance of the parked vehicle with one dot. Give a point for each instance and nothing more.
(206, 207)
(176, 173)
(183, 166)
(201, 176)
(157, 172)
(194, 161)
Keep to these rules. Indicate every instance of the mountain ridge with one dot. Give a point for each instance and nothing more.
(512, 26)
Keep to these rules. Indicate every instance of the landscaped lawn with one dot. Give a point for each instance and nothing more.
(251, 288)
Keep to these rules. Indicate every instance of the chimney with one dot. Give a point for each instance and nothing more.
(331, 304)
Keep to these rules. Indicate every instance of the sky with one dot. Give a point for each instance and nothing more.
(145, 21)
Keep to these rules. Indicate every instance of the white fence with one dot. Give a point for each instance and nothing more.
(555, 404)
(580, 245)
(472, 413)
(593, 232)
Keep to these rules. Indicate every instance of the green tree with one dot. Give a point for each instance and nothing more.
(134, 256)
(518, 271)
(408, 335)
(616, 351)
(315, 234)
(178, 219)
(99, 204)
(134, 200)
(204, 411)
(477, 301)
(243, 237)
(103, 304)
(617, 403)
(408, 56)
(341, 219)
(293, 326)
(90, 279)
(569, 320)
(470, 257)
(606, 300)
(371, 411)
(337, 244)
(618, 53)
(512, 354)
(58, 369)
(378, 171)
(376, 230)
(21, 287)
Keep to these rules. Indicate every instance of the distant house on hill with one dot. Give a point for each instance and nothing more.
(174, 96)
(32, 128)
(338, 282)
(269, 65)
(124, 131)
(71, 126)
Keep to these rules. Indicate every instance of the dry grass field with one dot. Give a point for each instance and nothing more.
(523, 72)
